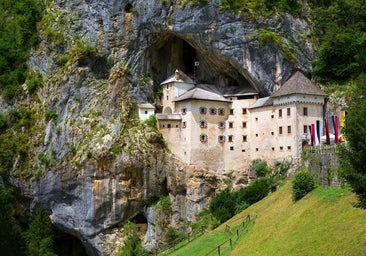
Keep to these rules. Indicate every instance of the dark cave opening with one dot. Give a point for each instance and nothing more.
(128, 8)
(171, 52)
(67, 245)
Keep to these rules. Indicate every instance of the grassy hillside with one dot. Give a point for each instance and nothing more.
(324, 222)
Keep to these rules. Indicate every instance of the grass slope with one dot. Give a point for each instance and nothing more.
(325, 222)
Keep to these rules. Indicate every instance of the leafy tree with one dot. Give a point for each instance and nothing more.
(11, 241)
(255, 191)
(353, 153)
(39, 236)
(174, 236)
(223, 204)
(132, 244)
(302, 184)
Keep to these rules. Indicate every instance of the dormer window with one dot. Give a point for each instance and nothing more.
(221, 111)
(203, 124)
(203, 110)
(213, 111)
(221, 125)
(184, 111)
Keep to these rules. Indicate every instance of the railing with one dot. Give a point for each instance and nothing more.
(229, 243)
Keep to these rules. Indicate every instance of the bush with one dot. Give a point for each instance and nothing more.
(223, 205)
(204, 220)
(303, 183)
(132, 244)
(261, 168)
(174, 236)
(256, 191)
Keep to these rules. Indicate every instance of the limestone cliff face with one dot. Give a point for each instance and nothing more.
(97, 166)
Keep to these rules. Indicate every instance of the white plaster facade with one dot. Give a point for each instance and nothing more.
(228, 131)
(145, 110)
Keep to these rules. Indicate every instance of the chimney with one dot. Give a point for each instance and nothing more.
(176, 75)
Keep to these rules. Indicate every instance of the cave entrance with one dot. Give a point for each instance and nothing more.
(141, 223)
(171, 52)
(67, 245)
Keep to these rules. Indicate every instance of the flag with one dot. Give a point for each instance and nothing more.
(313, 142)
(336, 132)
(327, 135)
(318, 129)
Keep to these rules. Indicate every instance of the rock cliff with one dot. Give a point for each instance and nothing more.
(93, 163)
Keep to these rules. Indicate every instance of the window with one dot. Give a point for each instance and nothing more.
(272, 116)
(256, 119)
(184, 124)
(273, 149)
(203, 124)
(280, 113)
(305, 129)
(221, 138)
(230, 138)
(256, 135)
(244, 111)
(256, 149)
(288, 111)
(184, 111)
(231, 124)
(243, 150)
(167, 97)
(221, 111)
(203, 138)
(213, 111)
(244, 138)
(146, 112)
(167, 86)
(221, 125)
(280, 130)
(231, 111)
(272, 133)
(289, 129)
(231, 148)
(305, 111)
(169, 126)
(289, 148)
(281, 148)
(203, 110)
(244, 124)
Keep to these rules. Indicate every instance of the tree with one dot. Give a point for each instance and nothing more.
(302, 184)
(353, 153)
(39, 236)
(132, 244)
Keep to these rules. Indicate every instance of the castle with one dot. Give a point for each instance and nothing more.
(227, 128)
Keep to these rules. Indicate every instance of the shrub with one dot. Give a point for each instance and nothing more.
(261, 169)
(174, 236)
(303, 183)
(256, 191)
(204, 220)
(223, 205)
(132, 244)
(51, 115)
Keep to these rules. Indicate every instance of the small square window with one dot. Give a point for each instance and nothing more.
(272, 116)
(146, 112)
(288, 147)
(167, 86)
(231, 148)
(203, 124)
(288, 111)
(272, 133)
(273, 149)
(244, 111)
(231, 124)
(243, 150)
(221, 125)
(305, 129)
(213, 111)
(244, 124)
(256, 149)
(230, 138)
(256, 135)
(203, 138)
(221, 111)
(169, 126)
(281, 148)
(184, 124)
(203, 110)
(221, 139)
(256, 119)
(184, 111)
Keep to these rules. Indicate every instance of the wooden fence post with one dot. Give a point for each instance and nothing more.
(218, 250)
(231, 244)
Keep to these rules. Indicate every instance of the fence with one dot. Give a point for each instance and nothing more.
(228, 244)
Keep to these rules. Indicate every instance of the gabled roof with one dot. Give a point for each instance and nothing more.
(146, 105)
(165, 116)
(183, 78)
(200, 94)
(298, 84)
(262, 102)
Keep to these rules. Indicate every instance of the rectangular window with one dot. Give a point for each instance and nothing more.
(230, 138)
(305, 129)
(272, 133)
(280, 130)
(231, 124)
(231, 148)
(184, 124)
(203, 138)
(221, 139)
(280, 113)
(169, 126)
(289, 129)
(203, 110)
(305, 111)
(221, 125)
(145, 111)
(203, 124)
(184, 111)
(244, 111)
(167, 86)
(289, 148)
(281, 148)
(256, 135)
(288, 111)
(256, 149)
(272, 116)
(244, 124)
(256, 119)
(231, 111)
(244, 138)
(221, 111)
(213, 111)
